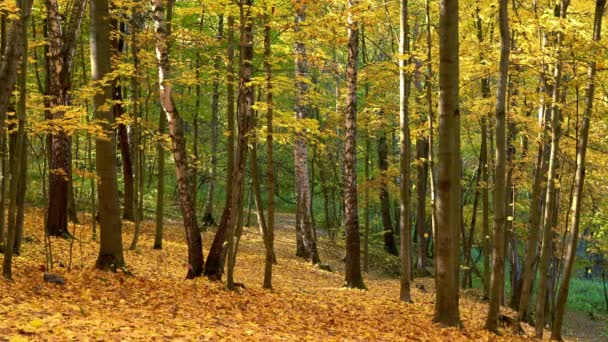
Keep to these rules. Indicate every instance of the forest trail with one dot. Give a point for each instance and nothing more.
(155, 302)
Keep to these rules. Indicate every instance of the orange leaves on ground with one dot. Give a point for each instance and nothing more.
(157, 303)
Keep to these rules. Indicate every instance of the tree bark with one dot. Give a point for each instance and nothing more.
(160, 185)
(353, 278)
(308, 247)
(245, 118)
(546, 246)
(404, 158)
(498, 250)
(270, 183)
(449, 198)
(579, 181)
(62, 47)
(178, 140)
(110, 248)
(214, 266)
(215, 109)
(123, 136)
(21, 45)
(385, 201)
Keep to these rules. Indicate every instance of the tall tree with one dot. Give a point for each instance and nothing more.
(15, 49)
(110, 247)
(118, 47)
(404, 158)
(270, 183)
(353, 253)
(215, 110)
(160, 185)
(306, 243)
(498, 250)
(550, 201)
(579, 181)
(449, 192)
(214, 265)
(62, 43)
(232, 216)
(176, 131)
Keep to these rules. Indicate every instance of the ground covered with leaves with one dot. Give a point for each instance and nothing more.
(152, 301)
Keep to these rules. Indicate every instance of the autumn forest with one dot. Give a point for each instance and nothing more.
(303, 170)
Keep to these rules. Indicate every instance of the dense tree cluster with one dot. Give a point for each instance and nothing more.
(391, 123)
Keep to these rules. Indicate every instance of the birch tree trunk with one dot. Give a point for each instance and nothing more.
(307, 246)
(178, 140)
(404, 159)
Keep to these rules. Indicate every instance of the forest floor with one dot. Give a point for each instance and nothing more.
(154, 302)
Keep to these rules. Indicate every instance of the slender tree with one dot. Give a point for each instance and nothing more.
(270, 183)
(306, 244)
(215, 110)
(579, 181)
(160, 185)
(404, 158)
(178, 140)
(232, 216)
(550, 201)
(498, 250)
(18, 49)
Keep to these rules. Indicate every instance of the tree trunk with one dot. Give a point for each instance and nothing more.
(449, 198)
(562, 297)
(308, 247)
(467, 244)
(353, 278)
(536, 205)
(123, 136)
(270, 183)
(385, 201)
(214, 266)
(485, 222)
(21, 154)
(230, 104)
(546, 250)
(422, 169)
(429, 100)
(19, 28)
(245, 118)
(62, 46)
(11, 54)
(498, 250)
(160, 186)
(404, 158)
(215, 101)
(176, 131)
(110, 247)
